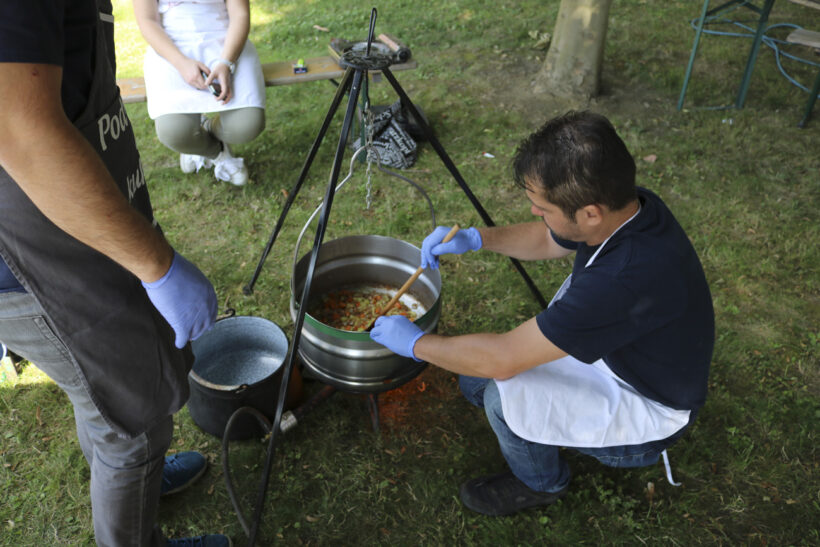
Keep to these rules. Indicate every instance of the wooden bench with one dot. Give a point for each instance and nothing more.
(277, 73)
(810, 39)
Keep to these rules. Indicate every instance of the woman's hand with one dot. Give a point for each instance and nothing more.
(192, 72)
(222, 74)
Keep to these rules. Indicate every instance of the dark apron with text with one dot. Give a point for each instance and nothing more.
(121, 345)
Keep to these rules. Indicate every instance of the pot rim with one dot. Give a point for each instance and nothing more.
(238, 319)
(222, 387)
(362, 335)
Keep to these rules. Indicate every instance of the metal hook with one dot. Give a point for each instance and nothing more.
(372, 29)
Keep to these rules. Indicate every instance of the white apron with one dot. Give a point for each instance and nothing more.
(567, 402)
(198, 30)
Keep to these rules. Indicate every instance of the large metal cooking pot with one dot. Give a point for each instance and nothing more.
(351, 361)
(237, 363)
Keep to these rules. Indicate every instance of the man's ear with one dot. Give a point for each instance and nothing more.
(590, 215)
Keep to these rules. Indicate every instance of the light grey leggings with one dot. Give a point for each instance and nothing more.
(184, 133)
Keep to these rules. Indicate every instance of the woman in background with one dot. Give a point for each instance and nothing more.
(200, 62)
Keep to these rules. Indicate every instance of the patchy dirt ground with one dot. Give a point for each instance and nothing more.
(511, 82)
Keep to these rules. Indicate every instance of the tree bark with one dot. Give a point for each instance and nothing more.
(573, 64)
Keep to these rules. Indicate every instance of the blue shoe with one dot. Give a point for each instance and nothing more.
(211, 540)
(181, 470)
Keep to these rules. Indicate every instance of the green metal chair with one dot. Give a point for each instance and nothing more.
(708, 16)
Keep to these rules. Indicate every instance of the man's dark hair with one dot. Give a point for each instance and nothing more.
(576, 160)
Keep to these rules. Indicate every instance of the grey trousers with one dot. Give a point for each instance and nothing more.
(126, 474)
(184, 133)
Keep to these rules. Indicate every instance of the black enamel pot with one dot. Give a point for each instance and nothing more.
(237, 363)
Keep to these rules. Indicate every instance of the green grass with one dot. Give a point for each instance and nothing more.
(743, 183)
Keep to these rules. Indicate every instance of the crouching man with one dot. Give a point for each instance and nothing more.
(616, 366)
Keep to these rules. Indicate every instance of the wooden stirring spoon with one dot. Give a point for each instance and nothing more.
(409, 282)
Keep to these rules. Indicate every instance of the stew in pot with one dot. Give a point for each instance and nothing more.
(354, 308)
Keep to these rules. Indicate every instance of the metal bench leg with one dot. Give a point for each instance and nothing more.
(698, 32)
(810, 105)
(750, 63)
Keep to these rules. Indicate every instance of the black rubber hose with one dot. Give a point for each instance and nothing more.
(226, 469)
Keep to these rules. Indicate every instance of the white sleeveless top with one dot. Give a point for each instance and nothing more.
(198, 29)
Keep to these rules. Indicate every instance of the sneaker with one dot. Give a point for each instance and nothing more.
(229, 168)
(181, 470)
(504, 494)
(190, 163)
(210, 540)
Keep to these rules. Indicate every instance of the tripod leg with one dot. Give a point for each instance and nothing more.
(300, 316)
(445, 158)
(334, 105)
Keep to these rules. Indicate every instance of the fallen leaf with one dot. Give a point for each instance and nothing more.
(323, 29)
(651, 158)
(37, 415)
(311, 519)
(211, 490)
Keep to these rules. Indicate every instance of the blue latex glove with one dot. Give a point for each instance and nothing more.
(396, 333)
(185, 298)
(432, 247)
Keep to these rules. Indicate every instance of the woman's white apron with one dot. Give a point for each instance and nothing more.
(198, 30)
(569, 403)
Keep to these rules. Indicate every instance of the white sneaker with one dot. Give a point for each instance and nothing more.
(190, 163)
(229, 168)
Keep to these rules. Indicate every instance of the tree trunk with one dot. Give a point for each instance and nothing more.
(573, 64)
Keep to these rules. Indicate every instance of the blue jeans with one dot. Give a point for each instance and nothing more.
(126, 474)
(541, 466)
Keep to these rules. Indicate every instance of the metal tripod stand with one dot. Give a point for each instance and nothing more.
(357, 64)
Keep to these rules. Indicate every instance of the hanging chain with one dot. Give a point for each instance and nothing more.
(368, 132)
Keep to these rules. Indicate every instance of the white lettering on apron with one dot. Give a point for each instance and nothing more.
(112, 125)
(135, 181)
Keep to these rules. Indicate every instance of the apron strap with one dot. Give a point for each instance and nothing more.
(668, 469)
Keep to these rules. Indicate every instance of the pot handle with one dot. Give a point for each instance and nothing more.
(309, 220)
(227, 314)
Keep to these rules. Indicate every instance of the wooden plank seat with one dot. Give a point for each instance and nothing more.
(808, 38)
(275, 73)
(804, 37)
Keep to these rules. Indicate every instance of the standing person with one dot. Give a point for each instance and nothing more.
(201, 62)
(90, 290)
(616, 367)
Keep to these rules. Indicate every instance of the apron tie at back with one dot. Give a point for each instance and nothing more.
(668, 467)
